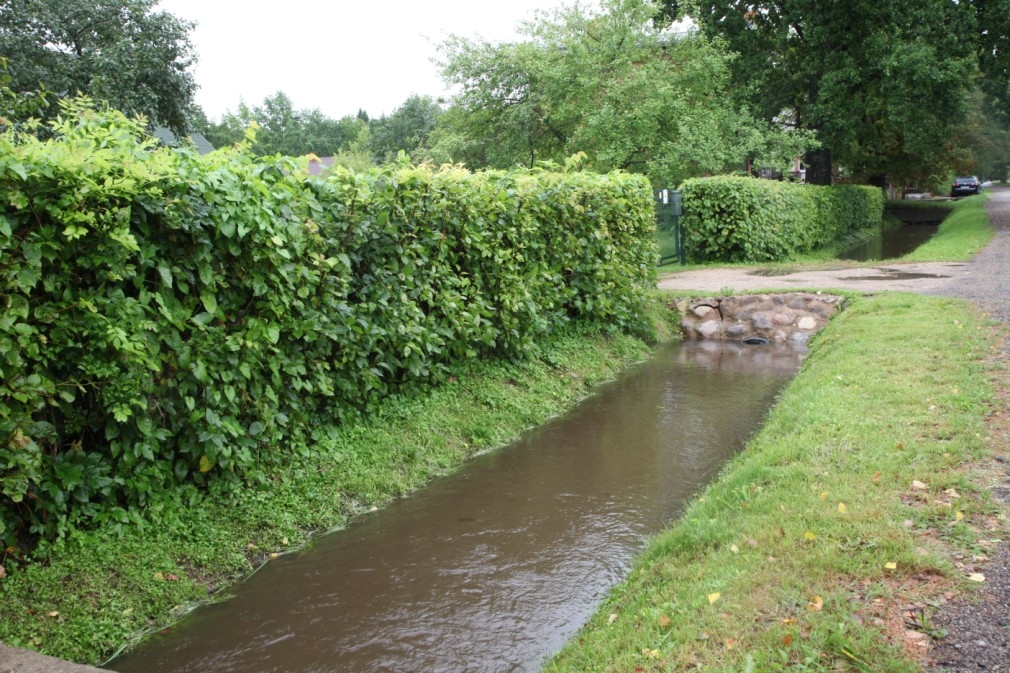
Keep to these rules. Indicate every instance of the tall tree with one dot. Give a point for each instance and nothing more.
(284, 129)
(614, 84)
(993, 21)
(122, 51)
(883, 83)
(406, 129)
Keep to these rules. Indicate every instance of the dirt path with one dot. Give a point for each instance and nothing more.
(922, 277)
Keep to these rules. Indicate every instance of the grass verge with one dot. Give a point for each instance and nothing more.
(850, 503)
(963, 234)
(86, 597)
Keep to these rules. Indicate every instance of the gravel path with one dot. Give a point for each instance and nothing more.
(978, 631)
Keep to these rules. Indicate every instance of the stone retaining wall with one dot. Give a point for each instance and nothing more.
(778, 318)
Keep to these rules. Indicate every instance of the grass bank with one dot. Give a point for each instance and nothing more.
(87, 596)
(861, 495)
(963, 234)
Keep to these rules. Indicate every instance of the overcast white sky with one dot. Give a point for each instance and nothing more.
(335, 55)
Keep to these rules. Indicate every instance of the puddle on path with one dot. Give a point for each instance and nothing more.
(493, 568)
(893, 274)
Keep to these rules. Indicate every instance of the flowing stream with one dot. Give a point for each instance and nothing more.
(491, 569)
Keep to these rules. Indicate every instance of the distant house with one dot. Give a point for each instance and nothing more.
(319, 165)
(165, 137)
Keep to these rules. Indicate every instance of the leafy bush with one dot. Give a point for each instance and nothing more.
(176, 319)
(739, 219)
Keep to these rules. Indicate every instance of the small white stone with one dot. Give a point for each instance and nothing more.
(709, 328)
(806, 322)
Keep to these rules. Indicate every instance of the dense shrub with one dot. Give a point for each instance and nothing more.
(739, 219)
(174, 319)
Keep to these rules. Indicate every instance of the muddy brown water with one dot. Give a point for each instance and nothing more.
(892, 243)
(491, 569)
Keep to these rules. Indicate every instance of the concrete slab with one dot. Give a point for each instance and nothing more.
(16, 660)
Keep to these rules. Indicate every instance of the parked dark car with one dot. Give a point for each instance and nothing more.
(963, 186)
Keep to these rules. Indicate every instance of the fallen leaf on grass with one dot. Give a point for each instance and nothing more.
(730, 643)
(815, 605)
(951, 492)
(612, 618)
(918, 485)
(809, 536)
(976, 577)
(787, 640)
(733, 548)
(652, 654)
(664, 620)
(54, 613)
(823, 495)
(712, 598)
(891, 565)
(841, 508)
(171, 577)
(959, 515)
(876, 477)
(159, 576)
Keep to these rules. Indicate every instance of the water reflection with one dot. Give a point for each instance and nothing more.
(493, 568)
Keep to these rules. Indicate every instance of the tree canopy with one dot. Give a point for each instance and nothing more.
(282, 129)
(122, 51)
(884, 83)
(627, 91)
(406, 129)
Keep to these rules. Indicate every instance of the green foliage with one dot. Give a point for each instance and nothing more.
(631, 95)
(405, 130)
(738, 219)
(109, 586)
(174, 318)
(883, 84)
(19, 110)
(281, 129)
(125, 52)
(993, 22)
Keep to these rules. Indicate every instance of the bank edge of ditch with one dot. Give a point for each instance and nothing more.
(86, 598)
(861, 506)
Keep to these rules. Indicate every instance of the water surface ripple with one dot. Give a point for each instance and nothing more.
(491, 569)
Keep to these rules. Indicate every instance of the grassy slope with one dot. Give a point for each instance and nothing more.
(964, 232)
(785, 561)
(894, 392)
(84, 598)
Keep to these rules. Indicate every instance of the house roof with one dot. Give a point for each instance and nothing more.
(318, 165)
(166, 137)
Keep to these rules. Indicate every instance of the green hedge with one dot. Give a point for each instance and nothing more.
(170, 318)
(739, 219)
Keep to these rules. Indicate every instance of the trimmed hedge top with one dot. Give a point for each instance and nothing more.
(740, 219)
(170, 318)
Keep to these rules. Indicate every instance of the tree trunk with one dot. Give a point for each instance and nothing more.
(818, 166)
